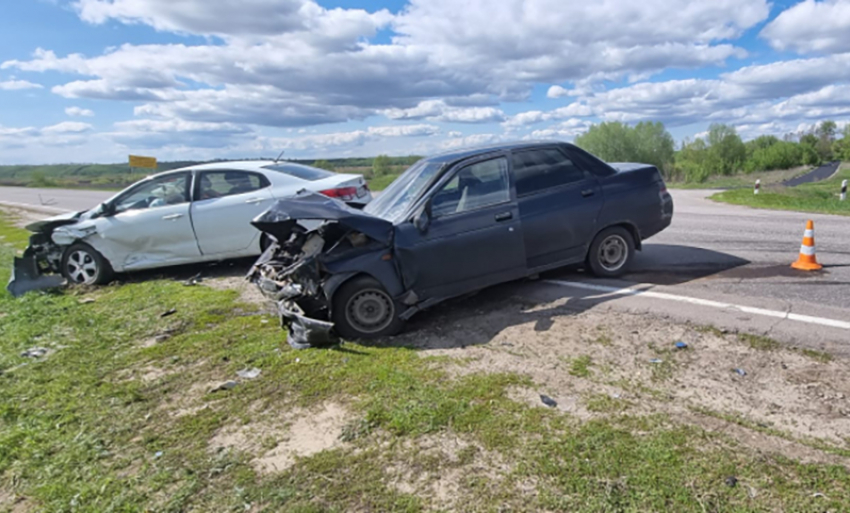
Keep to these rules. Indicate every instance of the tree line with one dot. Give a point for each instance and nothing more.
(721, 151)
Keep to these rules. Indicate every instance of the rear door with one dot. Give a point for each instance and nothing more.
(225, 202)
(559, 203)
(473, 239)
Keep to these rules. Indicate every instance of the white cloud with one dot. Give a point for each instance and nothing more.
(312, 144)
(67, 127)
(439, 110)
(16, 85)
(67, 133)
(811, 26)
(77, 111)
(557, 91)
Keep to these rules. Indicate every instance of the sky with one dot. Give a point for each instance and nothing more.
(95, 80)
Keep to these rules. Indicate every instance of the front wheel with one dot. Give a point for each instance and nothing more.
(362, 308)
(83, 265)
(611, 252)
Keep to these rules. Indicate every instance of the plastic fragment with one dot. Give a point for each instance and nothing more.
(548, 401)
(252, 373)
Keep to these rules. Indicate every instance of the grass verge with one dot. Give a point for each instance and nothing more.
(743, 181)
(820, 197)
(114, 420)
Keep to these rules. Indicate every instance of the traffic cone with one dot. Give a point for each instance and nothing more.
(807, 260)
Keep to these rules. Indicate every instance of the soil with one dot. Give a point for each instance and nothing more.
(277, 440)
(786, 402)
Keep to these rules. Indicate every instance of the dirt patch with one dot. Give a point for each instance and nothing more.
(275, 442)
(442, 469)
(14, 503)
(248, 292)
(629, 364)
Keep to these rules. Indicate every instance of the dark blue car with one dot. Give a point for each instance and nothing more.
(449, 225)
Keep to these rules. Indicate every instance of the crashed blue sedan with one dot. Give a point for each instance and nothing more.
(452, 224)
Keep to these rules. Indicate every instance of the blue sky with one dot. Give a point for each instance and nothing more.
(94, 80)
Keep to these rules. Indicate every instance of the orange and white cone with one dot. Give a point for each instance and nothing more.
(807, 260)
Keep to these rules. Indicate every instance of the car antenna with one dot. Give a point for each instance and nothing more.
(279, 156)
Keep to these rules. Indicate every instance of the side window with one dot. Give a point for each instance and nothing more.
(217, 184)
(538, 170)
(479, 185)
(166, 190)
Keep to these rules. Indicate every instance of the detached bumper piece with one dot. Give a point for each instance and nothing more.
(26, 276)
(305, 332)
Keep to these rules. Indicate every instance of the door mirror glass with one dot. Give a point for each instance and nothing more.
(421, 220)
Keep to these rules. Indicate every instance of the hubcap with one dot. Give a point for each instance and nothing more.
(370, 311)
(82, 267)
(613, 253)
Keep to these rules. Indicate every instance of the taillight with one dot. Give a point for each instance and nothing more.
(343, 193)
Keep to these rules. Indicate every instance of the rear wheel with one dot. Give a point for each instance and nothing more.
(362, 308)
(611, 252)
(83, 265)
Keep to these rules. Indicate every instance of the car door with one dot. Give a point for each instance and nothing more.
(149, 225)
(225, 202)
(559, 203)
(473, 238)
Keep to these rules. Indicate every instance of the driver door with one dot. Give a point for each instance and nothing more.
(151, 226)
(474, 236)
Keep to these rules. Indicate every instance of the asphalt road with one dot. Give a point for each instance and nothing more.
(712, 252)
(815, 175)
(54, 199)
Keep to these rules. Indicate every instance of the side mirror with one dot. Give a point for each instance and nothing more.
(422, 219)
(107, 209)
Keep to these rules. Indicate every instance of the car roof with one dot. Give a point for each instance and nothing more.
(236, 165)
(463, 153)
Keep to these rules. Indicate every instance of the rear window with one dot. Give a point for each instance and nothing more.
(308, 173)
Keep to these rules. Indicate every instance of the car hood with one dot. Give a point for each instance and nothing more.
(308, 205)
(47, 225)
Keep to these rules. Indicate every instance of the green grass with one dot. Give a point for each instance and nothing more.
(759, 342)
(78, 432)
(580, 367)
(819, 197)
(743, 180)
(818, 356)
(380, 183)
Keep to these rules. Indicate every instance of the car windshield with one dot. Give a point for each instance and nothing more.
(394, 201)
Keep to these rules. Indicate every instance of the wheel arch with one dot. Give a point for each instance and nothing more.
(629, 227)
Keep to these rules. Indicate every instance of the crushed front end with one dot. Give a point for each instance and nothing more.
(40, 266)
(313, 241)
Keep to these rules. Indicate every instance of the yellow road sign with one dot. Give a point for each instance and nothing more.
(146, 162)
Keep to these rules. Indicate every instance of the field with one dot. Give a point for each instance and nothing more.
(821, 197)
(124, 411)
(743, 181)
(119, 176)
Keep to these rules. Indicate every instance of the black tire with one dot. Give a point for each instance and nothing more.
(362, 308)
(83, 265)
(611, 252)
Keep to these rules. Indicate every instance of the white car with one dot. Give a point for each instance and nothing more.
(194, 214)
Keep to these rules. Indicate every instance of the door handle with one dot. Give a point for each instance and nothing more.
(254, 201)
(504, 216)
(172, 217)
(587, 193)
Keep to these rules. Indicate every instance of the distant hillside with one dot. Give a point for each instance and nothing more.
(116, 176)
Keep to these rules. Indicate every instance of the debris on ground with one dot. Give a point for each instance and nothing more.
(161, 338)
(34, 352)
(252, 373)
(158, 454)
(548, 401)
(740, 372)
(681, 345)
(86, 301)
(656, 360)
(227, 385)
(171, 311)
(731, 481)
(194, 280)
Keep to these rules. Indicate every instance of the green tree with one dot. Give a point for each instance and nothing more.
(323, 164)
(726, 148)
(380, 165)
(646, 142)
(825, 133)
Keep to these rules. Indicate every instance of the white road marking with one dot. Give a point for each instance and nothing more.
(626, 291)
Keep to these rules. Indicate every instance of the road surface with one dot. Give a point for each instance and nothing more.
(717, 257)
(54, 199)
(816, 175)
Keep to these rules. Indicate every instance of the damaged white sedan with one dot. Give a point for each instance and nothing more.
(195, 214)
